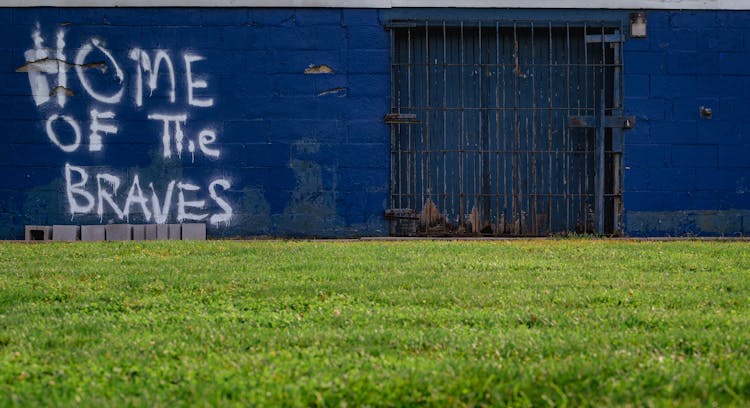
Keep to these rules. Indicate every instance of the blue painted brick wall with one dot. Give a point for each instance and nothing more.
(306, 154)
(685, 174)
(296, 154)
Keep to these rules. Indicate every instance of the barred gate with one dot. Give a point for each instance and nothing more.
(505, 128)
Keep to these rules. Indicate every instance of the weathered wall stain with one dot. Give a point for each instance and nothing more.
(312, 205)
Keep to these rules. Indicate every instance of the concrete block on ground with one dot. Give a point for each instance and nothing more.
(92, 233)
(38, 233)
(119, 232)
(194, 232)
(66, 232)
(139, 232)
(175, 232)
(162, 232)
(150, 231)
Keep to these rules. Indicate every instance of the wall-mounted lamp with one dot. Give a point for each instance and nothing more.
(638, 24)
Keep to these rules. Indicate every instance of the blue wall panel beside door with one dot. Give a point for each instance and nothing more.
(687, 170)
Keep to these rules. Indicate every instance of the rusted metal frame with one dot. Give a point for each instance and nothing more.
(517, 151)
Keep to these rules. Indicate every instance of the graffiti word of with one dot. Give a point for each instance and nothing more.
(97, 129)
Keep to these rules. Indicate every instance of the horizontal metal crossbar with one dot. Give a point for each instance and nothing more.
(612, 122)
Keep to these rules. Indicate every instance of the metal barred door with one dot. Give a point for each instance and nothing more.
(505, 128)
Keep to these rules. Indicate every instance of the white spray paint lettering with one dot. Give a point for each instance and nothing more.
(195, 84)
(100, 192)
(52, 135)
(77, 189)
(143, 63)
(83, 78)
(95, 139)
(188, 204)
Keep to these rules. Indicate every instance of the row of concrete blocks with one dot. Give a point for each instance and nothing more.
(116, 232)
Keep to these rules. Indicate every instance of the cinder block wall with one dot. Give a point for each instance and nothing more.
(684, 173)
(280, 120)
(279, 113)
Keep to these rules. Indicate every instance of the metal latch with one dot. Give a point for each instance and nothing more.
(615, 122)
(396, 118)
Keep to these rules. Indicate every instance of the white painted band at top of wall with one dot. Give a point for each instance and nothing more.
(546, 4)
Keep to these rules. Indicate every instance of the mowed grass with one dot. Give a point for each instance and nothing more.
(523, 323)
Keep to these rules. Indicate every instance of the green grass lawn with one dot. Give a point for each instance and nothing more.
(525, 323)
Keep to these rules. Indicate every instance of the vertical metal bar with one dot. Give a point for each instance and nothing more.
(617, 133)
(506, 218)
(566, 132)
(461, 209)
(445, 124)
(583, 210)
(428, 111)
(517, 203)
(479, 184)
(600, 143)
(498, 224)
(534, 188)
(600, 166)
(409, 151)
(549, 132)
(395, 143)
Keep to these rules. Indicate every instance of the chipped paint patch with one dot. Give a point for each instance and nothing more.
(62, 89)
(339, 91)
(313, 69)
(52, 64)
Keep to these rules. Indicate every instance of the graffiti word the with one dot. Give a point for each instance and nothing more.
(81, 200)
(206, 137)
